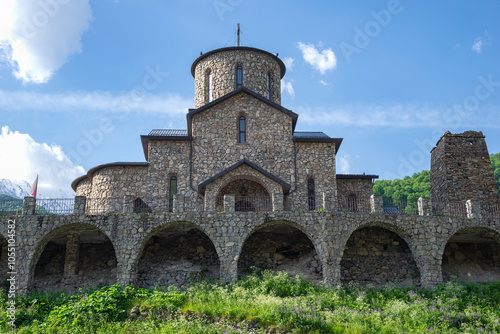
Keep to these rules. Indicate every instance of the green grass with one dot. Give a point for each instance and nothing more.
(269, 303)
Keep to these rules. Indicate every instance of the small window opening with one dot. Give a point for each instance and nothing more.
(210, 90)
(269, 85)
(239, 77)
(172, 192)
(311, 197)
(242, 137)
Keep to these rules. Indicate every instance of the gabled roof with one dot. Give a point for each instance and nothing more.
(91, 171)
(259, 97)
(286, 186)
(163, 134)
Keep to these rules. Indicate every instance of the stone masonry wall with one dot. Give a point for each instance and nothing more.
(461, 170)
(360, 188)
(215, 138)
(316, 160)
(256, 66)
(329, 233)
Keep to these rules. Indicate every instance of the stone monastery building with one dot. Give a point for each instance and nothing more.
(239, 141)
(240, 190)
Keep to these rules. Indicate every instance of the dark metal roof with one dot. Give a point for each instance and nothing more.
(91, 171)
(241, 48)
(286, 186)
(309, 134)
(163, 134)
(356, 177)
(168, 133)
(284, 110)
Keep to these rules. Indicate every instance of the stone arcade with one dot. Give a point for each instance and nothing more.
(240, 188)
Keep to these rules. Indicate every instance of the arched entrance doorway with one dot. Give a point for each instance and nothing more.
(249, 195)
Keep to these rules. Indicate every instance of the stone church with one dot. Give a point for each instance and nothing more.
(239, 141)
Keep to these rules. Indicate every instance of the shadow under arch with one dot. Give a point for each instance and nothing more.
(94, 260)
(471, 254)
(378, 253)
(174, 253)
(4, 260)
(281, 245)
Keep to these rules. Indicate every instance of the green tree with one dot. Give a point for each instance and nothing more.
(408, 188)
(495, 163)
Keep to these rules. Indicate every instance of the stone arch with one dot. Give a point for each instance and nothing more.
(3, 259)
(288, 246)
(175, 258)
(471, 254)
(242, 176)
(392, 239)
(74, 278)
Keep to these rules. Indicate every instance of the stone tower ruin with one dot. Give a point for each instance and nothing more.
(461, 170)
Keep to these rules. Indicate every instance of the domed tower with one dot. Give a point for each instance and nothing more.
(218, 72)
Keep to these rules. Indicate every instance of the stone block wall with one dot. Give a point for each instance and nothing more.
(359, 188)
(255, 64)
(461, 170)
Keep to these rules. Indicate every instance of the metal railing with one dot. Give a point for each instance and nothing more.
(400, 206)
(354, 204)
(252, 203)
(490, 211)
(11, 206)
(54, 206)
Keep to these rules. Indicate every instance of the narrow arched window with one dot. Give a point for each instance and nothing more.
(311, 197)
(269, 85)
(172, 191)
(210, 89)
(239, 77)
(242, 130)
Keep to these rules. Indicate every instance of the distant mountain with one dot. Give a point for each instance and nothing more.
(15, 188)
(21, 189)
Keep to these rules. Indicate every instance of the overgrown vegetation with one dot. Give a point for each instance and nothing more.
(270, 303)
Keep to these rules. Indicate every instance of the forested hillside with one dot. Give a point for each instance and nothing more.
(419, 184)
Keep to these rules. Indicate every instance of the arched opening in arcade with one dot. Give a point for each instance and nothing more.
(280, 246)
(4, 255)
(377, 256)
(74, 257)
(472, 255)
(176, 255)
(249, 196)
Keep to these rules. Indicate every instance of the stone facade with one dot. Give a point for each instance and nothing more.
(461, 170)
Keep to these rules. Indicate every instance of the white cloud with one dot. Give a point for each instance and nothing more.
(400, 115)
(324, 83)
(289, 62)
(37, 37)
(286, 86)
(23, 158)
(343, 165)
(324, 61)
(477, 47)
(133, 101)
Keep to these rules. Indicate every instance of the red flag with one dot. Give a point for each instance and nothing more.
(34, 187)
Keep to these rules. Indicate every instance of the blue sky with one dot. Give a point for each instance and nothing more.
(81, 80)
